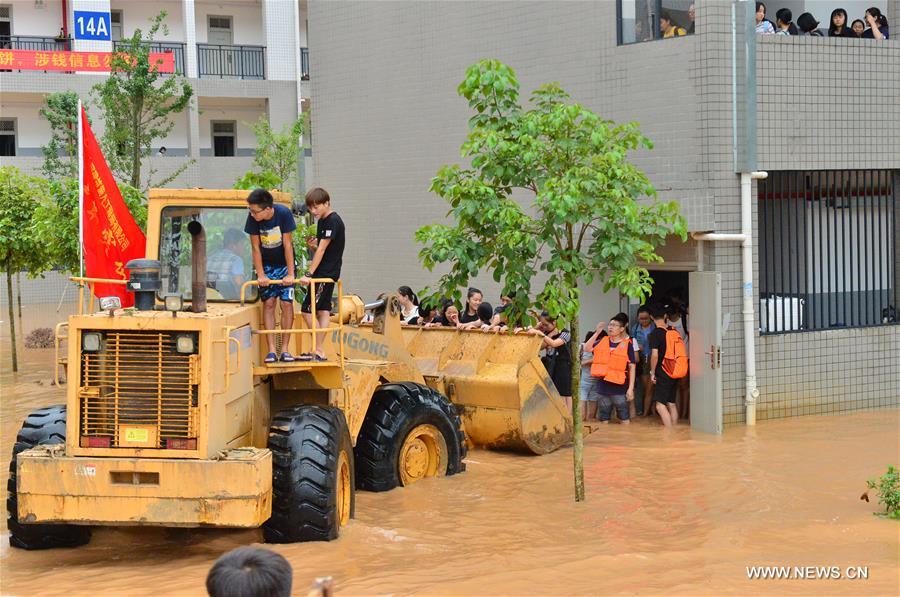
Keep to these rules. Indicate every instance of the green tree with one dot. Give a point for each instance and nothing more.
(56, 220)
(549, 194)
(277, 157)
(19, 249)
(138, 103)
(61, 152)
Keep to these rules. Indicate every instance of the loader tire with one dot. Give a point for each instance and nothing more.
(313, 491)
(43, 426)
(408, 433)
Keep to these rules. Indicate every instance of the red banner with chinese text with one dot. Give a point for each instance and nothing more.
(54, 60)
(111, 236)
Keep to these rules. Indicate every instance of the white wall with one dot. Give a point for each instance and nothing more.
(30, 20)
(32, 130)
(138, 15)
(245, 117)
(246, 21)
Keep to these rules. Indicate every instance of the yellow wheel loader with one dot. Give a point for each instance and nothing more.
(172, 417)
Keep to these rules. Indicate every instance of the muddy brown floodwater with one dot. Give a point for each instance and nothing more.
(683, 513)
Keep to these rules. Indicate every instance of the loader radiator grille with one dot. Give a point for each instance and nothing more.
(138, 390)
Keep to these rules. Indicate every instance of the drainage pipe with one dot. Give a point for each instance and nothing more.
(751, 392)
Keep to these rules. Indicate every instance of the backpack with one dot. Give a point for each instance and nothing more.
(675, 364)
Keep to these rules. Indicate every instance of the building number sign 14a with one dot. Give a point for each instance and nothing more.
(92, 25)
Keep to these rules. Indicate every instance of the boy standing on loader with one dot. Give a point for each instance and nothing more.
(270, 227)
(326, 263)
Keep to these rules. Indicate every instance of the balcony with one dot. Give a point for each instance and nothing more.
(161, 47)
(237, 62)
(31, 42)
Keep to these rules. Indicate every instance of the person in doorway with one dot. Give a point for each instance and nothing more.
(556, 350)
(326, 263)
(613, 366)
(640, 331)
(668, 27)
(225, 267)
(270, 227)
(409, 304)
(676, 319)
(250, 572)
(664, 386)
(473, 299)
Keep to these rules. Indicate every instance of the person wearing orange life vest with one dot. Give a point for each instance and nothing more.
(664, 386)
(614, 369)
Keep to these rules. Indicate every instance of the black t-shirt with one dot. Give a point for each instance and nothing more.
(466, 318)
(657, 340)
(331, 227)
(271, 234)
(562, 353)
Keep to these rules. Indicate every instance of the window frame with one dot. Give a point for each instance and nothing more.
(14, 134)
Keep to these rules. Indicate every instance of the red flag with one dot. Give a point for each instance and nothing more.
(111, 236)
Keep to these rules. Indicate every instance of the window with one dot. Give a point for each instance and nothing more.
(5, 27)
(219, 31)
(228, 260)
(7, 137)
(827, 250)
(223, 138)
(115, 21)
(646, 20)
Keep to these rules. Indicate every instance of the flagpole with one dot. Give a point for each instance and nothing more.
(80, 191)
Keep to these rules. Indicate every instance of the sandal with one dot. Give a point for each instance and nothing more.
(319, 358)
(270, 358)
(286, 357)
(306, 356)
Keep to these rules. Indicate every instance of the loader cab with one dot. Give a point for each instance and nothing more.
(228, 255)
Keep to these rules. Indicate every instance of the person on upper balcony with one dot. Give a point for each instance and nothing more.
(878, 25)
(667, 26)
(858, 28)
(809, 25)
(763, 25)
(783, 20)
(838, 26)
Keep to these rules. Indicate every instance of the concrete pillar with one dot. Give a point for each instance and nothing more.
(188, 15)
(81, 45)
(193, 127)
(281, 33)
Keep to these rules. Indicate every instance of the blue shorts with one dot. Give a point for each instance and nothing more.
(276, 272)
(588, 390)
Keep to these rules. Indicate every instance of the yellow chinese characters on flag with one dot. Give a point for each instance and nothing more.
(111, 236)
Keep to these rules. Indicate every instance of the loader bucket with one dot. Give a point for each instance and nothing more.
(507, 397)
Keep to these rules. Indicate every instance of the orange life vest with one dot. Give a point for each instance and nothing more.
(611, 364)
(676, 362)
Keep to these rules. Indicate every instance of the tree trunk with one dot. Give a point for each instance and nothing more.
(136, 143)
(12, 319)
(19, 294)
(577, 435)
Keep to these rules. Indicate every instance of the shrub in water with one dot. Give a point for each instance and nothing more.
(888, 488)
(39, 338)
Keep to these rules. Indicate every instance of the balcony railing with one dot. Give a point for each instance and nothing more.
(239, 62)
(161, 47)
(304, 64)
(31, 42)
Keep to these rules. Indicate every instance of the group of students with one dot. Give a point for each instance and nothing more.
(649, 360)
(874, 24)
(477, 314)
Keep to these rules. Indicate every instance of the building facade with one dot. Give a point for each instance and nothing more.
(820, 115)
(244, 59)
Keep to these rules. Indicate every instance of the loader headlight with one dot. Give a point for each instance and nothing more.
(186, 344)
(91, 341)
(173, 302)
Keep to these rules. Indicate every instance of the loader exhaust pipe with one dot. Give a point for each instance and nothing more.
(198, 267)
(144, 282)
